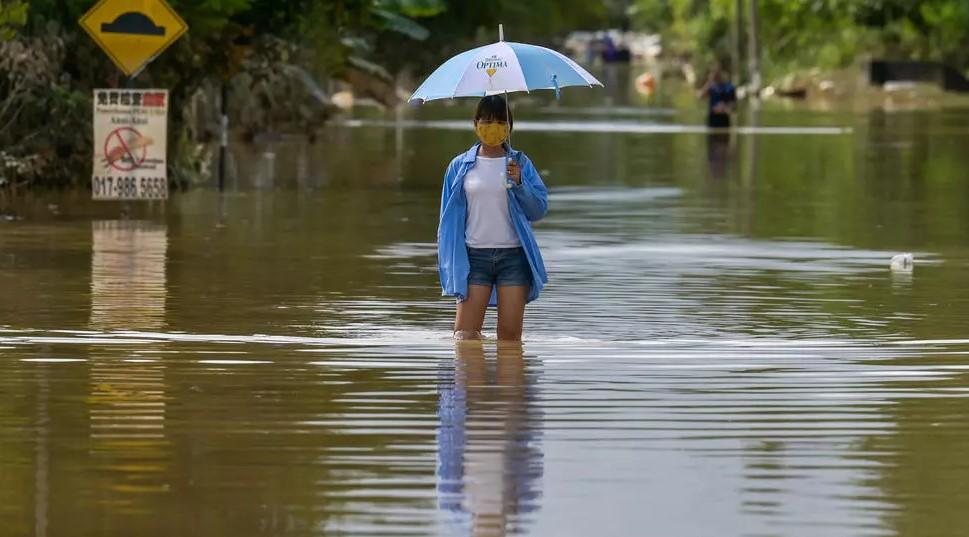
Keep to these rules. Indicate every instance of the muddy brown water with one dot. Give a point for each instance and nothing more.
(721, 350)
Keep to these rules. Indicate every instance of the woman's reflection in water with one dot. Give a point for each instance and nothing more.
(489, 439)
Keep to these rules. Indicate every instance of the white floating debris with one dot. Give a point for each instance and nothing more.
(903, 263)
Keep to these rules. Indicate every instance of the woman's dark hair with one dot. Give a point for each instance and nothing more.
(494, 108)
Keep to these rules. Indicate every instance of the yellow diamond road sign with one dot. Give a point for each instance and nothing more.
(133, 32)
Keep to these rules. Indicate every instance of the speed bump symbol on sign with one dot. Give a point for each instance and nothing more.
(133, 23)
(132, 33)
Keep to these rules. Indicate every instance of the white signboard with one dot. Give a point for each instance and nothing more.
(130, 132)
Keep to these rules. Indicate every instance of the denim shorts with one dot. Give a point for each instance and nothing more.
(499, 266)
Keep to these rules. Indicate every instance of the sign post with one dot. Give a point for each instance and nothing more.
(131, 125)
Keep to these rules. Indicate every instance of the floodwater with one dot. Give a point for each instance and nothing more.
(722, 349)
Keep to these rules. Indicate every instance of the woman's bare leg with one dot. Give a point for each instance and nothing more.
(470, 313)
(511, 311)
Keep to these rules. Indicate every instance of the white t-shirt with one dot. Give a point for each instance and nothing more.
(489, 220)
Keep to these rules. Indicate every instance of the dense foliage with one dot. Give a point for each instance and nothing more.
(284, 52)
(281, 52)
(809, 33)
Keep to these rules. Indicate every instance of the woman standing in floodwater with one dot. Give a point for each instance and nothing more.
(486, 251)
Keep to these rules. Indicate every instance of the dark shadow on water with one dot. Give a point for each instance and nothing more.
(489, 439)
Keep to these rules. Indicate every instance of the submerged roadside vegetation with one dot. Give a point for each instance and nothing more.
(283, 62)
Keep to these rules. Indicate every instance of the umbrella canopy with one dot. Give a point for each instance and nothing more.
(502, 67)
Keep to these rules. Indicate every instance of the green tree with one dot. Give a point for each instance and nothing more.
(53, 79)
(815, 33)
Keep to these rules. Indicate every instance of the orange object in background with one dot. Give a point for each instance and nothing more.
(645, 84)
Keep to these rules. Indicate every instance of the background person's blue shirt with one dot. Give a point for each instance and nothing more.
(723, 92)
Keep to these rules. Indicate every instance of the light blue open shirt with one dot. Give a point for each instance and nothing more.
(527, 202)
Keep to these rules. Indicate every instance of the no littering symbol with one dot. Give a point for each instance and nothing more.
(125, 149)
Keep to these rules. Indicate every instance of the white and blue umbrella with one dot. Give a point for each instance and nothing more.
(502, 67)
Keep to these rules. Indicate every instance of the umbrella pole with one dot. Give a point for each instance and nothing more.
(508, 116)
(508, 181)
(501, 37)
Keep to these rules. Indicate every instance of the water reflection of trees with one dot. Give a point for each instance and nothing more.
(489, 455)
(920, 463)
(921, 466)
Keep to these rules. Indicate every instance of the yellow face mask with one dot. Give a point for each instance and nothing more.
(492, 133)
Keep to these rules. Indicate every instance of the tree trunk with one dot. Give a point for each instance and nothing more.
(737, 69)
(753, 45)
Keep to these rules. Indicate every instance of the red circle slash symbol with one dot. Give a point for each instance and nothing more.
(121, 146)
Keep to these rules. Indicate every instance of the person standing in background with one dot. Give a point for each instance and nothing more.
(722, 98)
